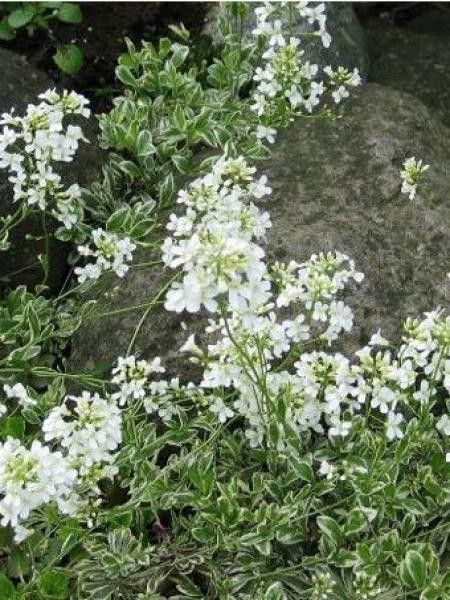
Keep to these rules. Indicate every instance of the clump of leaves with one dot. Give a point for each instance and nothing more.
(34, 16)
(31, 325)
(174, 108)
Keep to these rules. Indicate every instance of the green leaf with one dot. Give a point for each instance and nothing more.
(7, 590)
(69, 58)
(119, 220)
(125, 75)
(275, 592)
(356, 521)
(34, 324)
(180, 31)
(144, 146)
(188, 587)
(70, 13)
(19, 563)
(413, 570)
(433, 592)
(7, 33)
(180, 54)
(345, 559)
(54, 585)
(330, 528)
(167, 190)
(21, 16)
(263, 547)
(203, 534)
(141, 229)
(14, 427)
(130, 169)
(179, 118)
(303, 470)
(181, 162)
(408, 525)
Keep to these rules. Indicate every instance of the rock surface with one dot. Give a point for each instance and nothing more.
(418, 63)
(435, 21)
(121, 319)
(21, 84)
(336, 186)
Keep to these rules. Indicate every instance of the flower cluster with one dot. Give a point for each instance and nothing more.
(314, 285)
(341, 79)
(29, 147)
(323, 585)
(214, 241)
(412, 175)
(30, 478)
(133, 376)
(88, 427)
(366, 585)
(136, 382)
(285, 76)
(111, 253)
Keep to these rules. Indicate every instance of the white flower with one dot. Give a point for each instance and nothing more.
(18, 392)
(339, 428)
(133, 376)
(393, 430)
(219, 408)
(267, 133)
(326, 469)
(384, 398)
(192, 348)
(340, 94)
(276, 35)
(325, 37)
(423, 394)
(259, 105)
(378, 340)
(315, 12)
(294, 95)
(259, 188)
(443, 425)
(317, 89)
(41, 138)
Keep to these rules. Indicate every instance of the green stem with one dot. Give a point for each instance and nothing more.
(147, 311)
(45, 258)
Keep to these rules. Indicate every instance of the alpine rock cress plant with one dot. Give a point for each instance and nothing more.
(285, 470)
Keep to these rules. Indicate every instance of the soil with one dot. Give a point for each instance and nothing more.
(101, 37)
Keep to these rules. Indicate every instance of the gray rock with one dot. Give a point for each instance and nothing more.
(348, 46)
(120, 318)
(417, 63)
(336, 186)
(21, 84)
(435, 21)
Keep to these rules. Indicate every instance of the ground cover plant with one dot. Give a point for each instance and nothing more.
(285, 470)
